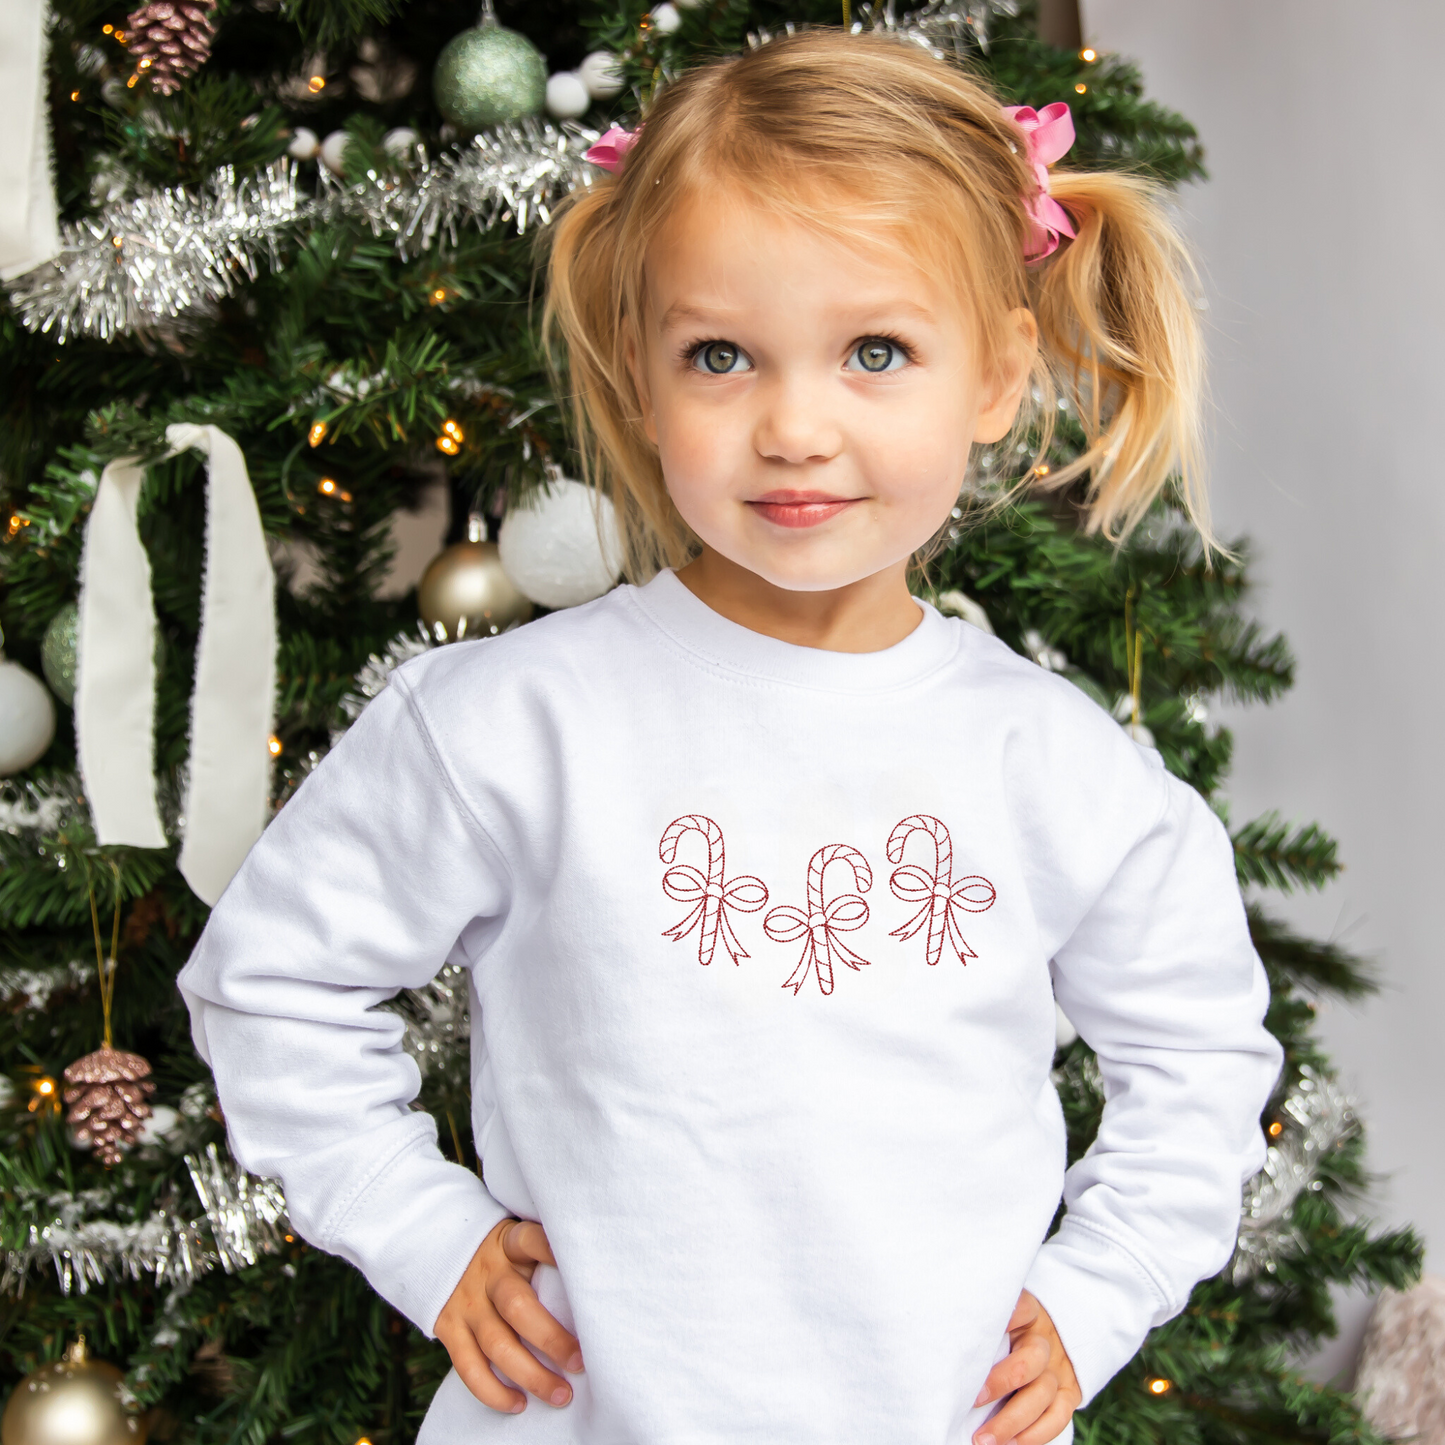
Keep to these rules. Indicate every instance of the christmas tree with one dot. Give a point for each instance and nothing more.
(359, 314)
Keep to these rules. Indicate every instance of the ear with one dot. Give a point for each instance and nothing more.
(636, 366)
(1011, 374)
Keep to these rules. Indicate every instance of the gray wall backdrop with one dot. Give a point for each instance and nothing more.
(1320, 234)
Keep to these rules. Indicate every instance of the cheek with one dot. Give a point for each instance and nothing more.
(697, 446)
(919, 462)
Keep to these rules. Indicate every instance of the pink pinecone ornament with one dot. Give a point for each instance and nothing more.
(105, 1094)
(171, 40)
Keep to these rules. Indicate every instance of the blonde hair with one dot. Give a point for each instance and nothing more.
(895, 143)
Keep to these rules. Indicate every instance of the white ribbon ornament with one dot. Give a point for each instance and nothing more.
(235, 684)
(29, 233)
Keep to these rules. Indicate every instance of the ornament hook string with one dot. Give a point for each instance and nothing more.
(106, 969)
(1133, 654)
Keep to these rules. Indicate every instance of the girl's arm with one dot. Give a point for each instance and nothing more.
(1162, 981)
(362, 886)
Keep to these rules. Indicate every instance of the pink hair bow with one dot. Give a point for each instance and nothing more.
(611, 149)
(1048, 134)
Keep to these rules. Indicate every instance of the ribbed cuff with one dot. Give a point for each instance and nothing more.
(1102, 1300)
(411, 1228)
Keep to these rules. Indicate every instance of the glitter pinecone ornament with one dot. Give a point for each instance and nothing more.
(106, 1097)
(171, 40)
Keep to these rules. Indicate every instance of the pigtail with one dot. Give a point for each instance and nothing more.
(586, 321)
(1119, 333)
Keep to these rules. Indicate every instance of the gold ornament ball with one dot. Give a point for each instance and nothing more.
(75, 1401)
(465, 593)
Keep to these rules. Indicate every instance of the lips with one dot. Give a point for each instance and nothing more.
(799, 509)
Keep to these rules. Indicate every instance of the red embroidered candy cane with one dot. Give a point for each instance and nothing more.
(822, 922)
(939, 894)
(710, 896)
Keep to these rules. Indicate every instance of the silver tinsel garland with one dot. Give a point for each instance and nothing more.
(147, 264)
(509, 174)
(439, 1024)
(86, 1248)
(31, 988)
(1319, 1118)
(245, 1217)
(37, 810)
(247, 1214)
(950, 29)
(376, 672)
(152, 264)
(142, 263)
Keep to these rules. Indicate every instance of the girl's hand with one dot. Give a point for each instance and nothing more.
(492, 1306)
(1037, 1370)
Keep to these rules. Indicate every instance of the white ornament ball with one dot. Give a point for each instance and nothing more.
(567, 96)
(333, 151)
(400, 143)
(666, 18)
(162, 1120)
(1064, 1031)
(305, 144)
(563, 549)
(1140, 734)
(960, 604)
(27, 718)
(602, 75)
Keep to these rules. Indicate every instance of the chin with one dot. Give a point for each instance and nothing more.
(822, 573)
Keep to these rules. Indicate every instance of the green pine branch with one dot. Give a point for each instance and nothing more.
(1299, 962)
(1276, 854)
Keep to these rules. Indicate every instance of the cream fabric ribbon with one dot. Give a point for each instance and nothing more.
(28, 230)
(235, 683)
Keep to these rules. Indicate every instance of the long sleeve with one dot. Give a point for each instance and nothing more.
(1161, 980)
(361, 887)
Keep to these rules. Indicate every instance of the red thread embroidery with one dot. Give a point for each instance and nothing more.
(821, 922)
(938, 892)
(710, 896)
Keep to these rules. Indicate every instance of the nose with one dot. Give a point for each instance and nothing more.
(795, 423)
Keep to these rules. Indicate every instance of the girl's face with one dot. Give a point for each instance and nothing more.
(813, 402)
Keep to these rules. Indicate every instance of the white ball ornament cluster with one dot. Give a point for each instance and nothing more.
(305, 144)
(27, 716)
(562, 548)
(602, 75)
(567, 96)
(666, 18)
(333, 151)
(400, 143)
(163, 1120)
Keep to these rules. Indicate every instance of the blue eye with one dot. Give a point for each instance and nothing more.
(721, 358)
(876, 354)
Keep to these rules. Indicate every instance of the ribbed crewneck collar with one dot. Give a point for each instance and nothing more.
(708, 635)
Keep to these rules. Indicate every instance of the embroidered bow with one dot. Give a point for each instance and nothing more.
(709, 894)
(610, 150)
(1048, 134)
(938, 892)
(822, 922)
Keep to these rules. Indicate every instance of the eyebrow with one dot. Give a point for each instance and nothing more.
(681, 312)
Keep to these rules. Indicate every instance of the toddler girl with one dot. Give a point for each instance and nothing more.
(766, 875)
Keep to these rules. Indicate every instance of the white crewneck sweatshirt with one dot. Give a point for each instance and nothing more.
(763, 944)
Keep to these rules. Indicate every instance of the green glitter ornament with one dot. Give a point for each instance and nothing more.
(57, 653)
(489, 75)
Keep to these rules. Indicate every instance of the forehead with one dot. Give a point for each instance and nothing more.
(720, 248)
